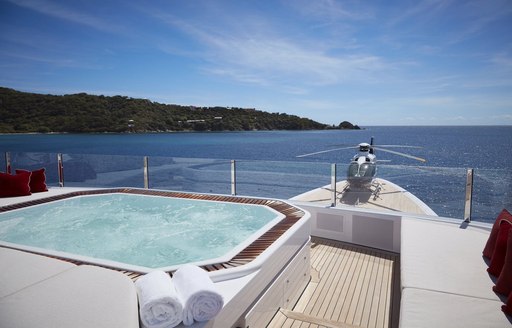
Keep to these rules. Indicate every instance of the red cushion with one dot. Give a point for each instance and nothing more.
(504, 282)
(507, 308)
(491, 241)
(37, 180)
(500, 249)
(14, 185)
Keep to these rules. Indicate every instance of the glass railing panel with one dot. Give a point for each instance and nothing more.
(2, 163)
(103, 171)
(492, 191)
(190, 174)
(441, 188)
(280, 179)
(35, 161)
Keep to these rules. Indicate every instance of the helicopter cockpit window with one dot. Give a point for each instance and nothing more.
(353, 169)
(367, 170)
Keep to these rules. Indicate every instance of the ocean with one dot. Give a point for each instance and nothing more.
(270, 157)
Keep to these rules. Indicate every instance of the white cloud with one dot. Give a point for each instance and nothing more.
(479, 15)
(422, 10)
(429, 101)
(331, 10)
(280, 60)
(505, 119)
(502, 61)
(264, 57)
(49, 59)
(61, 11)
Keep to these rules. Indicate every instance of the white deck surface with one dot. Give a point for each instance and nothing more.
(390, 198)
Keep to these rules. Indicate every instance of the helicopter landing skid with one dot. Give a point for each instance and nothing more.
(377, 188)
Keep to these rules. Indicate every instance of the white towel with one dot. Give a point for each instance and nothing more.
(201, 301)
(160, 305)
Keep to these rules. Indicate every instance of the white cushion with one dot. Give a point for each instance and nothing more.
(441, 256)
(84, 296)
(52, 191)
(22, 269)
(422, 308)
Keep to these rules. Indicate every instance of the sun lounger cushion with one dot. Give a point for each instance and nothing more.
(434, 249)
(37, 180)
(14, 185)
(504, 282)
(22, 269)
(425, 308)
(500, 249)
(507, 308)
(84, 296)
(491, 241)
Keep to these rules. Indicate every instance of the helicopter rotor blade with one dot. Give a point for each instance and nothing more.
(324, 151)
(398, 146)
(401, 154)
(390, 146)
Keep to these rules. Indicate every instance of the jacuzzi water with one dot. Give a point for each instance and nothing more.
(147, 231)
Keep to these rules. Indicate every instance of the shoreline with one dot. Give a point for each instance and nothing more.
(171, 132)
(276, 130)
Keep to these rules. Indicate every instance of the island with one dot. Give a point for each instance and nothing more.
(23, 112)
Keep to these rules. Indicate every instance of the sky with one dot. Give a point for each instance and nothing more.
(418, 62)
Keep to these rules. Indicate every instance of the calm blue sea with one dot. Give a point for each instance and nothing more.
(448, 150)
(488, 147)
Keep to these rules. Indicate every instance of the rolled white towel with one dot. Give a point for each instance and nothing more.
(160, 305)
(201, 301)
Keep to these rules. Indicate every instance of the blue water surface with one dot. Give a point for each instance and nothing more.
(141, 230)
(486, 147)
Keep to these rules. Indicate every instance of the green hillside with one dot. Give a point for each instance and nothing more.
(22, 112)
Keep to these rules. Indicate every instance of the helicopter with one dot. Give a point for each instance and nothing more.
(363, 166)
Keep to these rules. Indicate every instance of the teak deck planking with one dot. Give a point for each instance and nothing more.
(351, 286)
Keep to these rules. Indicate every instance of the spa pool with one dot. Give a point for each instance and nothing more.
(141, 230)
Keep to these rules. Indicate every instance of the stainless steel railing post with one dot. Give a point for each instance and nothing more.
(7, 162)
(233, 177)
(333, 185)
(146, 172)
(469, 196)
(60, 167)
